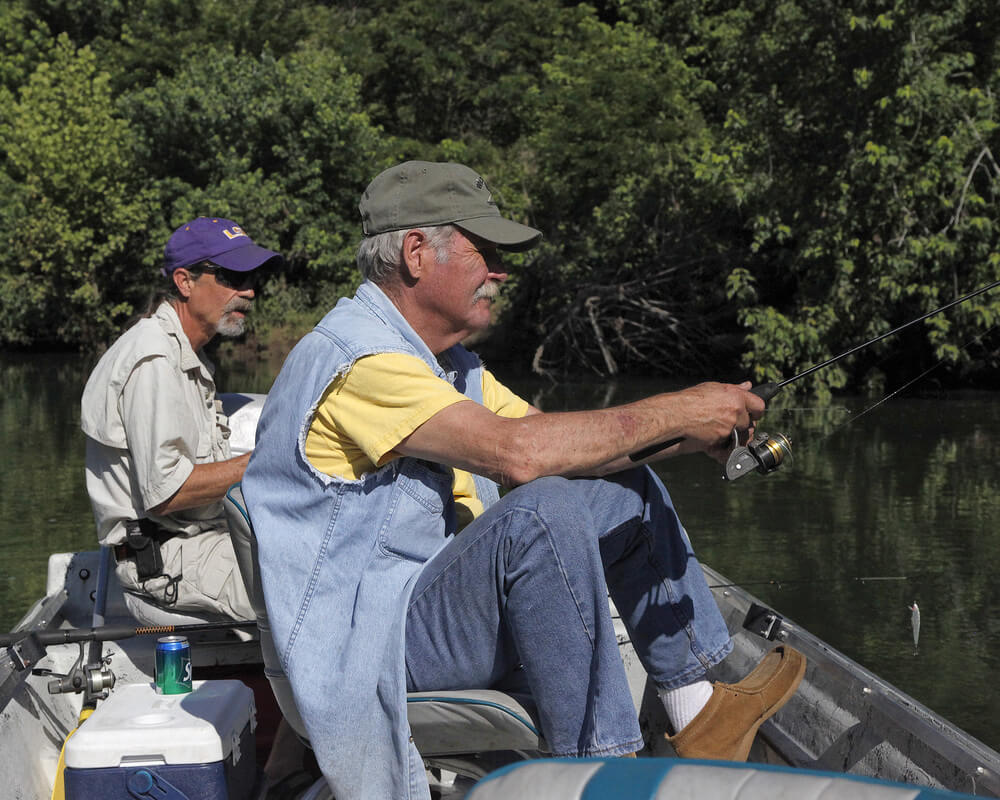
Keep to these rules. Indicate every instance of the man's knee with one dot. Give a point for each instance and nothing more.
(543, 494)
(551, 515)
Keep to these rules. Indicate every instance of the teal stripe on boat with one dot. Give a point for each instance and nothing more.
(634, 778)
(471, 701)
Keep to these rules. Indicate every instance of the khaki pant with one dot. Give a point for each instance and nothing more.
(200, 576)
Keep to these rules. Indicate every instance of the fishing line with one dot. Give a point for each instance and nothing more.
(905, 386)
(794, 581)
(779, 445)
(768, 390)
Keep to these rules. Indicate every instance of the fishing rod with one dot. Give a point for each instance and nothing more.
(111, 633)
(766, 391)
(765, 453)
(90, 676)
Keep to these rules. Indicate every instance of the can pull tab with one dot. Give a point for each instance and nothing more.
(145, 785)
(764, 453)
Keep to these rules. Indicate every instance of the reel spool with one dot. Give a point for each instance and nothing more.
(764, 453)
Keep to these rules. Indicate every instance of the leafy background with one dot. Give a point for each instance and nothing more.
(726, 187)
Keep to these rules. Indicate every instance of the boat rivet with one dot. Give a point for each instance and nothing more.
(867, 690)
(84, 574)
(726, 593)
(980, 771)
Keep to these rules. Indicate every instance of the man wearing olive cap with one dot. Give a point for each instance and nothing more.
(158, 458)
(390, 563)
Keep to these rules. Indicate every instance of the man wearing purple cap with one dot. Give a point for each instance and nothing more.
(158, 459)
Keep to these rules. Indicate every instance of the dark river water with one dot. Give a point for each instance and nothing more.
(908, 491)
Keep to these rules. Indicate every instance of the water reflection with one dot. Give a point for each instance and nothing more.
(908, 490)
(43, 500)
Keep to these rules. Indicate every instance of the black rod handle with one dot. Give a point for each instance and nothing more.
(646, 452)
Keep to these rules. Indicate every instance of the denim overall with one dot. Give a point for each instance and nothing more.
(364, 579)
(338, 557)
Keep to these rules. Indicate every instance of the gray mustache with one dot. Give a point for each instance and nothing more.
(487, 291)
(238, 304)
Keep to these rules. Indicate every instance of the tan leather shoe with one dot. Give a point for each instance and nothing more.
(725, 728)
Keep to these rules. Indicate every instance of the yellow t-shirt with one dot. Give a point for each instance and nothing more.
(365, 412)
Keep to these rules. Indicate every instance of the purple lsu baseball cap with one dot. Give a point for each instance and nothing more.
(214, 239)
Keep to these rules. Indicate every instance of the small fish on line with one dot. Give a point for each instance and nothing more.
(915, 624)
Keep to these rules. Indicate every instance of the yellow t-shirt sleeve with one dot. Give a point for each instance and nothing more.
(371, 408)
(380, 401)
(501, 400)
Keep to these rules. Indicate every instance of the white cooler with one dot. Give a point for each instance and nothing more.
(139, 744)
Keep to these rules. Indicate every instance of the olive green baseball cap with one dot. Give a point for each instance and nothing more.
(422, 194)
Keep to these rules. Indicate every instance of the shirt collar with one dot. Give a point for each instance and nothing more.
(166, 315)
(376, 301)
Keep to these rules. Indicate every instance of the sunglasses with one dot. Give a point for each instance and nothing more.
(231, 279)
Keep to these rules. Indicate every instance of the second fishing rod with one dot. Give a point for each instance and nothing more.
(765, 453)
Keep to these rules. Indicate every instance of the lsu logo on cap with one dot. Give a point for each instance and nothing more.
(234, 232)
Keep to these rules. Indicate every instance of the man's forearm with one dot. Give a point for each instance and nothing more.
(513, 451)
(206, 484)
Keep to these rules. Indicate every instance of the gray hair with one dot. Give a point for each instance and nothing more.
(168, 290)
(379, 256)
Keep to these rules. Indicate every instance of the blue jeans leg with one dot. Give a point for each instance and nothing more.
(525, 585)
(654, 578)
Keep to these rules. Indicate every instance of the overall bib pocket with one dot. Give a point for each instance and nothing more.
(416, 521)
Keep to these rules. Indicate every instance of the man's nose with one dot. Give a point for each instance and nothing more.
(495, 265)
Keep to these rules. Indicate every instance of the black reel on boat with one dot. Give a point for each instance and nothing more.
(764, 453)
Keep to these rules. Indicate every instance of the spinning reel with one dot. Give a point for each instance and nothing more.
(764, 454)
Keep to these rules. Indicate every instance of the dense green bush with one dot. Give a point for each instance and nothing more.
(727, 187)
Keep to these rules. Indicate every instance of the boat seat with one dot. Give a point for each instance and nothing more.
(687, 779)
(442, 723)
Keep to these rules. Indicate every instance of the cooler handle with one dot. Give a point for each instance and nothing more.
(145, 785)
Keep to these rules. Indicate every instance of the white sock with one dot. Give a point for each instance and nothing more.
(684, 703)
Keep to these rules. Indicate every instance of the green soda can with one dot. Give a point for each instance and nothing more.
(172, 668)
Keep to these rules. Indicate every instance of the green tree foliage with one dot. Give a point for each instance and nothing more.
(454, 69)
(611, 156)
(726, 186)
(862, 143)
(24, 41)
(73, 209)
(280, 144)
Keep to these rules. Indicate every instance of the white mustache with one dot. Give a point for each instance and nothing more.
(487, 291)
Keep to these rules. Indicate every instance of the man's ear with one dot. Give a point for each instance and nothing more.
(183, 280)
(416, 252)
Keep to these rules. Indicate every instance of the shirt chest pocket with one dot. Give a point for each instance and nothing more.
(420, 513)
